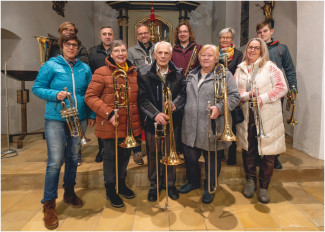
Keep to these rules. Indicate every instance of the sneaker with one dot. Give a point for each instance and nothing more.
(188, 188)
(138, 158)
(79, 160)
(207, 197)
(249, 188)
(264, 196)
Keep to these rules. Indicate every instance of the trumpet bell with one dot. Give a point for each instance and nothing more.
(84, 140)
(172, 159)
(129, 142)
(292, 122)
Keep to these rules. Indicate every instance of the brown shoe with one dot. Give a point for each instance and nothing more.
(50, 218)
(70, 197)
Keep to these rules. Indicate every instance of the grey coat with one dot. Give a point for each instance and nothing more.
(195, 119)
(137, 55)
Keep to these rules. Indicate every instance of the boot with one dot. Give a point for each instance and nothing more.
(124, 190)
(264, 196)
(99, 156)
(51, 220)
(249, 188)
(70, 197)
(111, 195)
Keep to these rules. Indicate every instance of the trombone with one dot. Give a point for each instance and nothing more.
(227, 134)
(291, 100)
(172, 158)
(123, 94)
(71, 115)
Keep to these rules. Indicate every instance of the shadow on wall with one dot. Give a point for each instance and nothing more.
(9, 42)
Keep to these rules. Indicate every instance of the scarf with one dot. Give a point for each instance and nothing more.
(227, 50)
(124, 67)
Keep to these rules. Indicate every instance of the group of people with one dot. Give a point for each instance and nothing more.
(188, 70)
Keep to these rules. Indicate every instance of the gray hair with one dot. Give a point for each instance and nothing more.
(228, 29)
(117, 43)
(161, 43)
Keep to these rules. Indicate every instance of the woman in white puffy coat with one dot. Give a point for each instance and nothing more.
(271, 87)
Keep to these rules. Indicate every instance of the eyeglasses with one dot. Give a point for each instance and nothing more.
(225, 38)
(253, 48)
(207, 55)
(143, 33)
(119, 51)
(182, 32)
(73, 45)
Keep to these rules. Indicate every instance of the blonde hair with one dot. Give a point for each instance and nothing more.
(214, 48)
(64, 25)
(264, 52)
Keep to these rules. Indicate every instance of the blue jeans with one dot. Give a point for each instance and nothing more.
(61, 148)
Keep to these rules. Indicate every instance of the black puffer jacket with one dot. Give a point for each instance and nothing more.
(97, 56)
(150, 94)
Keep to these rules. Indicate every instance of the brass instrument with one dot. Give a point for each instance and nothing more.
(227, 134)
(172, 158)
(191, 61)
(71, 115)
(122, 93)
(44, 44)
(291, 100)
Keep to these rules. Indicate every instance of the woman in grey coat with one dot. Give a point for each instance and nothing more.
(200, 90)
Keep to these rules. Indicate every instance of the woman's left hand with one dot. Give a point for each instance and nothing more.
(91, 122)
(214, 112)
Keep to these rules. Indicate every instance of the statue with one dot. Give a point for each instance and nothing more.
(267, 8)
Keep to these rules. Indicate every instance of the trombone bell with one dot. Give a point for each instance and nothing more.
(129, 142)
(172, 159)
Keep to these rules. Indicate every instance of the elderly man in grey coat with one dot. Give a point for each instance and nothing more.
(141, 54)
(195, 127)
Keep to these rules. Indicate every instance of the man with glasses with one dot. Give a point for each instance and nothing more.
(68, 28)
(141, 55)
(184, 46)
(280, 55)
(97, 56)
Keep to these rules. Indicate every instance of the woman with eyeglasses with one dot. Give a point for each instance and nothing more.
(100, 97)
(261, 85)
(195, 126)
(234, 57)
(63, 71)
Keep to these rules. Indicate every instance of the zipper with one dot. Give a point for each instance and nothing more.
(73, 84)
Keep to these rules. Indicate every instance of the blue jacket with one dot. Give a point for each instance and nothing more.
(56, 74)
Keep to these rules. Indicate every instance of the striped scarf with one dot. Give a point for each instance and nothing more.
(227, 50)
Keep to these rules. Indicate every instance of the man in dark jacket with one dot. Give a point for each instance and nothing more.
(151, 80)
(280, 55)
(97, 56)
(183, 50)
(67, 28)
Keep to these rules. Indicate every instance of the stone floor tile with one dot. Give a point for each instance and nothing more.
(286, 215)
(299, 228)
(220, 218)
(316, 189)
(264, 229)
(94, 198)
(254, 216)
(294, 193)
(36, 223)
(31, 201)
(234, 192)
(315, 212)
(186, 218)
(9, 198)
(116, 219)
(321, 228)
(151, 219)
(15, 220)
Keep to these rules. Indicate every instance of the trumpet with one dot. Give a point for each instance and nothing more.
(122, 93)
(172, 158)
(227, 134)
(71, 115)
(291, 100)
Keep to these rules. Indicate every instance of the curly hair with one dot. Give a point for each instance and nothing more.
(192, 36)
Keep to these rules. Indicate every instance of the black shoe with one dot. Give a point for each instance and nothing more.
(152, 195)
(99, 156)
(207, 197)
(188, 188)
(173, 193)
(124, 190)
(111, 195)
(137, 157)
(277, 163)
(231, 159)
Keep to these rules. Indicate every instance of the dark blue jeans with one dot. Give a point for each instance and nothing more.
(61, 148)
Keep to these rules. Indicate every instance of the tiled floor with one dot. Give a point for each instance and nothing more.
(296, 204)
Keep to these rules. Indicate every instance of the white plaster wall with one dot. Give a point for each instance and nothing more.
(309, 133)
(27, 19)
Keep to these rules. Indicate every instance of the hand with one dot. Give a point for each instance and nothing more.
(91, 122)
(112, 120)
(173, 106)
(161, 118)
(252, 94)
(215, 112)
(61, 95)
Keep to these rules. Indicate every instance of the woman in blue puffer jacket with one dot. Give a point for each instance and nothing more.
(59, 72)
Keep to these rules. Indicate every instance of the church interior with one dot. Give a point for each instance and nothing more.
(297, 190)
